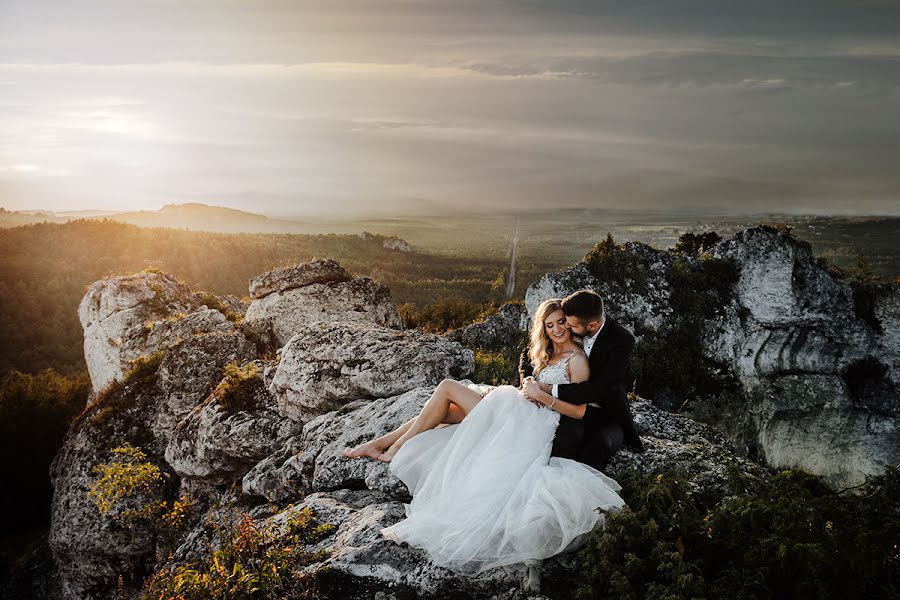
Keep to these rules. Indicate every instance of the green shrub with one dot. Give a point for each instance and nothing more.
(128, 478)
(250, 562)
(239, 389)
(668, 364)
(499, 367)
(494, 368)
(142, 369)
(693, 244)
(212, 301)
(133, 492)
(117, 394)
(442, 316)
(785, 229)
(788, 536)
(867, 287)
(623, 270)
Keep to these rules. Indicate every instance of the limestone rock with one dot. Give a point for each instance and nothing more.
(279, 477)
(289, 300)
(817, 366)
(811, 422)
(218, 444)
(644, 304)
(91, 550)
(358, 549)
(191, 369)
(396, 244)
(677, 443)
(497, 331)
(314, 462)
(886, 311)
(326, 365)
(789, 328)
(296, 276)
(113, 313)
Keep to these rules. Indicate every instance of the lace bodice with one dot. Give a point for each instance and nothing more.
(555, 373)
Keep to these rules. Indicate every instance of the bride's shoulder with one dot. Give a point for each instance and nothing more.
(578, 359)
(577, 353)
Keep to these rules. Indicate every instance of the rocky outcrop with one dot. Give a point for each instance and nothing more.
(816, 371)
(243, 432)
(297, 276)
(218, 442)
(288, 299)
(388, 243)
(191, 369)
(311, 472)
(113, 314)
(397, 245)
(204, 426)
(326, 365)
(497, 331)
(313, 460)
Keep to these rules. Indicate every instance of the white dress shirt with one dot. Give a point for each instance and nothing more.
(588, 343)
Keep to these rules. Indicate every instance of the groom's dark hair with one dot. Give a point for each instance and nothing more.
(587, 305)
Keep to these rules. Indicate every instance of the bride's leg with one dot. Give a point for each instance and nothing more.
(374, 448)
(435, 411)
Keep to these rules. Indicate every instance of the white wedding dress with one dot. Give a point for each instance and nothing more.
(486, 492)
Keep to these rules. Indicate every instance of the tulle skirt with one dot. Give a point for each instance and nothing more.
(486, 492)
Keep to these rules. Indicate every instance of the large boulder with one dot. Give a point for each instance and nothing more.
(92, 550)
(297, 276)
(497, 331)
(113, 314)
(326, 365)
(223, 437)
(191, 369)
(361, 496)
(342, 376)
(313, 462)
(357, 548)
(289, 299)
(817, 363)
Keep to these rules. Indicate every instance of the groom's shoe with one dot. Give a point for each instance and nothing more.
(531, 579)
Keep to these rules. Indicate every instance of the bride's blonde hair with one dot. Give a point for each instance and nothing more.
(540, 349)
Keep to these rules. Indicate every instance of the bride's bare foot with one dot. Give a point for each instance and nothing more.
(389, 454)
(385, 457)
(368, 449)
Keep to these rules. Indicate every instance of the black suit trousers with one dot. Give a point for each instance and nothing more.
(593, 446)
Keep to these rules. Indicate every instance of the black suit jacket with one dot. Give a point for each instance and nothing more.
(607, 385)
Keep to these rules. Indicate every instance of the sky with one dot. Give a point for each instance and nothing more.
(395, 108)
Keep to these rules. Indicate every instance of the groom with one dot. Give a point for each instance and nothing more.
(607, 424)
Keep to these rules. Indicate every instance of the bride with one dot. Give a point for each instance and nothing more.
(485, 490)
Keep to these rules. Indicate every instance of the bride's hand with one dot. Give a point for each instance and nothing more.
(537, 403)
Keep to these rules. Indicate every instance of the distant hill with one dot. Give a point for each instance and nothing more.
(202, 217)
(14, 218)
(193, 216)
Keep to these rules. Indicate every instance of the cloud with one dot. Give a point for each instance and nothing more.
(293, 105)
(866, 72)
